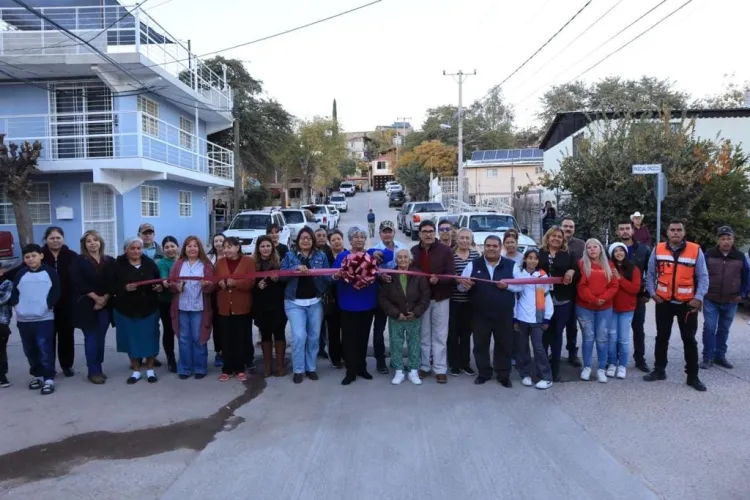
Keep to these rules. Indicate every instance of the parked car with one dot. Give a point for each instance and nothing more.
(483, 224)
(348, 188)
(392, 188)
(420, 211)
(323, 215)
(339, 201)
(401, 215)
(388, 184)
(248, 225)
(335, 214)
(297, 218)
(7, 250)
(396, 198)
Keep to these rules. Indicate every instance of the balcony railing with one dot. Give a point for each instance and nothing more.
(130, 134)
(111, 29)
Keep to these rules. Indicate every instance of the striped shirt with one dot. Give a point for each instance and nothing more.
(460, 264)
(191, 298)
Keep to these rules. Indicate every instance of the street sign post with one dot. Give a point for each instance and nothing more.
(661, 189)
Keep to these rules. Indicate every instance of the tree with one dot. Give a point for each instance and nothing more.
(18, 165)
(416, 180)
(256, 197)
(732, 97)
(317, 151)
(528, 137)
(612, 94)
(708, 184)
(264, 123)
(432, 155)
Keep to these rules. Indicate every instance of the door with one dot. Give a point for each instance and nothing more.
(81, 120)
(98, 208)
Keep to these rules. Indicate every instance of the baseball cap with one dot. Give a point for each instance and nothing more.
(145, 227)
(386, 224)
(725, 230)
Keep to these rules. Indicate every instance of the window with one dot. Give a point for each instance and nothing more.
(150, 120)
(39, 205)
(149, 201)
(251, 221)
(491, 172)
(675, 127)
(186, 203)
(381, 165)
(577, 143)
(187, 130)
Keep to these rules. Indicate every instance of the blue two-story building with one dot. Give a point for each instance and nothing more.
(123, 118)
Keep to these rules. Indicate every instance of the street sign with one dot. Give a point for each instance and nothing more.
(646, 169)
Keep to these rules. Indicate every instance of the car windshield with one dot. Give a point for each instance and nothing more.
(489, 223)
(346, 185)
(428, 207)
(396, 194)
(317, 209)
(338, 198)
(293, 216)
(251, 221)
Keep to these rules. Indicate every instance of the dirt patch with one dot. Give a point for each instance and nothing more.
(56, 459)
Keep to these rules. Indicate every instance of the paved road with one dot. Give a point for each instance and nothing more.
(318, 440)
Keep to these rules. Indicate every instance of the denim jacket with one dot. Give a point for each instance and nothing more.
(318, 260)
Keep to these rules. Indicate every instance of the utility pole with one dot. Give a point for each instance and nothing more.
(237, 167)
(461, 79)
(400, 120)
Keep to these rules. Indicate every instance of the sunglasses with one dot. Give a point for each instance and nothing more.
(445, 230)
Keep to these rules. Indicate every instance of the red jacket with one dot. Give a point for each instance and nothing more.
(595, 287)
(626, 297)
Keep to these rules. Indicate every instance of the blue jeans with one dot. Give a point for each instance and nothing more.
(717, 319)
(38, 339)
(193, 354)
(594, 327)
(93, 343)
(305, 322)
(619, 338)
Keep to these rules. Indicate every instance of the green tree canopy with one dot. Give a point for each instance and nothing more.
(416, 180)
(708, 184)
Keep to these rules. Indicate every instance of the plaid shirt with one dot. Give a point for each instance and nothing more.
(6, 311)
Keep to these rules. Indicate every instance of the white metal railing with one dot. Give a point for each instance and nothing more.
(111, 29)
(118, 134)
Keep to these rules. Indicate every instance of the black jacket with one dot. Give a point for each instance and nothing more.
(62, 265)
(270, 298)
(88, 278)
(640, 257)
(144, 300)
(563, 263)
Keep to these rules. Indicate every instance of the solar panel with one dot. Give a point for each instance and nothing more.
(527, 153)
(490, 155)
(514, 154)
(502, 154)
(477, 155)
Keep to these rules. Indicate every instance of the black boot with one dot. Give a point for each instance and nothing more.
(554, 365)
(171, 364)
(696, 384)
(573, 358)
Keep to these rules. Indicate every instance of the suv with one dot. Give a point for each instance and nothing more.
(323, 216)
(248, 225)
(421, 211)
(335, 214)
(396, 198)
(393, 187)
(296, 219)
(484, 224)
(339, 201)
(348, 188)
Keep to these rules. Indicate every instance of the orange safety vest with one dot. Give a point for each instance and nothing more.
(675, 272)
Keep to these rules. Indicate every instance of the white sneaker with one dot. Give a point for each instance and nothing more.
(621, 371)
(544, 384)
(601, 376)
(398, 377)
(611, 370)
(586, 373)
(527, 381)
(414, 377)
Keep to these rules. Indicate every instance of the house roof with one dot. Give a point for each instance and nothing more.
(566, 124)
(499, 157)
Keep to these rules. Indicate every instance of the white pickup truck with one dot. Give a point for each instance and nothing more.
(421, 211)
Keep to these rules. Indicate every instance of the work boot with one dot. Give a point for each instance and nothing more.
(267, 358)
(655, 375)
(696, 384)
(280, 355)
(642, 366)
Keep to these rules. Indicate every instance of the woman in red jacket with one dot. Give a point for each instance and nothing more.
(596, 291)
(623, 309)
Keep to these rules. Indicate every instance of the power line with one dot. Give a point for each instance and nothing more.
(551, 80)
(537, 51)
(633, 39)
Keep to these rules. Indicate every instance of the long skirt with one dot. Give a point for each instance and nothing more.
(139, 337)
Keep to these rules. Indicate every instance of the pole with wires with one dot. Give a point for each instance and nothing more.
(461, 79)
(237, 167)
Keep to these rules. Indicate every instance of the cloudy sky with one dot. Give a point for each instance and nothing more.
(386, 61)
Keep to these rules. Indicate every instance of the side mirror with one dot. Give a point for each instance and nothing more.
(525, 230)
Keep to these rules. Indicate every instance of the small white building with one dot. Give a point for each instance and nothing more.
(566, 131)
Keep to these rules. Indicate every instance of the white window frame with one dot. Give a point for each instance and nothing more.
(492, 173)
(149, 109)
(5, 202)
(152, 202)
(186, 205)
(187, 133)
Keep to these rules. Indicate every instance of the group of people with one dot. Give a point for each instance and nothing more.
(457, 294)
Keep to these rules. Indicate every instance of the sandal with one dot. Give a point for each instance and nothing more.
(48, 388)
(224, 377)
(35, 384)
(242, 377)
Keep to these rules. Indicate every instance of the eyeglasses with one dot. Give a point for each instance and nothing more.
(426, 232)
(305, 238)
(445, 230)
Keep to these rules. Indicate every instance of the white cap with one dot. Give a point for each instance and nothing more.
(637, 214)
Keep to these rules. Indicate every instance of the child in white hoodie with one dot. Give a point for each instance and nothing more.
(533, 312)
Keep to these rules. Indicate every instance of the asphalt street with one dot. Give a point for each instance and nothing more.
(271, 439)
